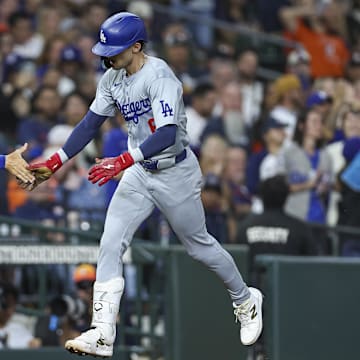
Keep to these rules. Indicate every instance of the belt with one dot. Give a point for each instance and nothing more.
(154, 165)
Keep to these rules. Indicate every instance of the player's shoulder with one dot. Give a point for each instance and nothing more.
(158, 68)
(110, 76)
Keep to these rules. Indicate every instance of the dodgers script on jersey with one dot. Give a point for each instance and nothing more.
(148, 99)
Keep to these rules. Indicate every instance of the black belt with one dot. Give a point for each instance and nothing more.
(153, 165)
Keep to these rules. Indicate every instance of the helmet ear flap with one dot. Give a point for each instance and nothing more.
(105, 62)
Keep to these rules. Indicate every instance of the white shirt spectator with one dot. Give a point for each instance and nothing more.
(32, 49)
(285, 116)
(195, 125)
(15, 336)
(252, 96)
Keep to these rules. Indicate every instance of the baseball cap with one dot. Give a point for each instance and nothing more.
(355, 59)
(318, 98)
(298, 56)
(84, 272)
(272, 123)
(71, 53)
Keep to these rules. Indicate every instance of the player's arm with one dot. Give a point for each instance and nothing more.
(82, 134)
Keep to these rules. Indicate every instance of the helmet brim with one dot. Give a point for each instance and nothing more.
(101, 49)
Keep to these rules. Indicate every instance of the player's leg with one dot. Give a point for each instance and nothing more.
(129, 207)
(184, 211)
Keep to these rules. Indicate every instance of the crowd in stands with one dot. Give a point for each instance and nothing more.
(257, 111)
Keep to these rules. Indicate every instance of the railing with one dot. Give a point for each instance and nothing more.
(172, 292)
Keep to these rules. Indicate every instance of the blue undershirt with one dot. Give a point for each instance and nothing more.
(87, 128)
(2, 161)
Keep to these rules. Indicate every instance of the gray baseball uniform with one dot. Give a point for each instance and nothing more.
(149, 99)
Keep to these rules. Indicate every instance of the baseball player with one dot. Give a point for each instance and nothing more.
(159, 170)
(17, 166)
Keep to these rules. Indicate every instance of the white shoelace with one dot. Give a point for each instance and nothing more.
(242, 314)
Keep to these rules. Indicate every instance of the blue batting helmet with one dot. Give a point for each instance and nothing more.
(119, 32)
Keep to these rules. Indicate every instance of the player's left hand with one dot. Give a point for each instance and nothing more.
(107, 168)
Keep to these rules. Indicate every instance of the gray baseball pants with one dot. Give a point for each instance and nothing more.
(176, 192)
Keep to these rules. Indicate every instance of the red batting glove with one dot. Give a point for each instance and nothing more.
(107, 168)
(53, 163)
(43, 170)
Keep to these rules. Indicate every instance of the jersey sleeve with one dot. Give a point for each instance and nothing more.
(2, 161)
(104, 104)
(165, 97)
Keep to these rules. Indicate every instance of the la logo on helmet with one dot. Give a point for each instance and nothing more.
(102, 36)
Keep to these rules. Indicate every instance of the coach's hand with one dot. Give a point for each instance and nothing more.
(43, 170)
(107, 168)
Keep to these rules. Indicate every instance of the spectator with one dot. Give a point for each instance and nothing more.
(288, 102)
(274, 231)
(28, 44)
(50, 56)
(44, 114)
(213, 155)
(269, 161)
(222, 72)
(70, 65)
(239, 197)
(235, 12)
(74, 108)
(84, 277)
(252, 90)
(274, 134)
(13, 335)
(199, 113)
(94, 13)
(309, 169)
(179, 53)
(322, 102)
(350, 126)
(299, 63)
(90, 62)
(215, 215)
(48, 19)
(350, 197)
(353, 67)
(311, 26)
(63, 316)
(231, 125)
(235, 177)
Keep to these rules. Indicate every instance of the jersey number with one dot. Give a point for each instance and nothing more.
(152, 126)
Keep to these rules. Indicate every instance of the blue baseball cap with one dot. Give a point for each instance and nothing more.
(318, 98)
(71, 53)
(272, 123)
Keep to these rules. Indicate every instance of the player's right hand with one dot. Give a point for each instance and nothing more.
(43, 170)
(107, 168)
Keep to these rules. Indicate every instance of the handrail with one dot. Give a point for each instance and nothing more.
(44, 228)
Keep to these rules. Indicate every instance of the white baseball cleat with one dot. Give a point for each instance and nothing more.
(249, 314)
(90, 343)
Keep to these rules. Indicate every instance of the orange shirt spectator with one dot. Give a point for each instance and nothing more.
(329, 54)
